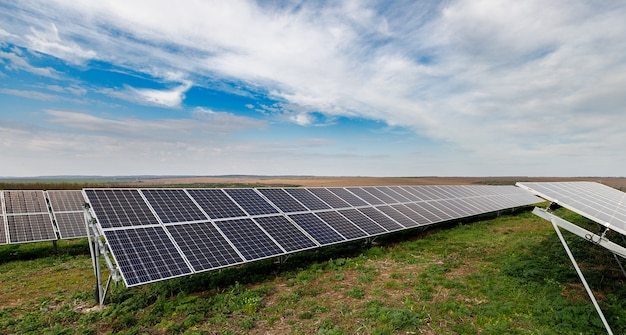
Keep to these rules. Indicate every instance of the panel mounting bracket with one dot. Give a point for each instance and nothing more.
(98, 250)
(600, 240)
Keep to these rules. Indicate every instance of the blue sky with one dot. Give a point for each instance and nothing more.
(329, 88)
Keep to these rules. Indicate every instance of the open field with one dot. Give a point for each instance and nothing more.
(490, 275)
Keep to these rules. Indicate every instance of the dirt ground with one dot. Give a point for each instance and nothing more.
(619, 183)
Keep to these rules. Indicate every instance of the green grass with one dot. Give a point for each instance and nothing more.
(496, 275)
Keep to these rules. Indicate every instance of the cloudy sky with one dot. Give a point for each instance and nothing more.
(342, 88)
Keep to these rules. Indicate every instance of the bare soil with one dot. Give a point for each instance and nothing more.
(619, 183)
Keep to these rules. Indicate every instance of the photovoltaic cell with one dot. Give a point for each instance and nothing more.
(368, 197)
(362, 221)
(173, 205)
(249, 239)
(422, 208)
(17, 202)
(216, 203)
(285, 233)
(329, 198)
(348, 197)
(317, 228)
(307, 198)
(30, 228)
(145, 255)
(432, 207)
(204, 246)
(406, 194)
(342, 225)
(380, 218)
(251, 201)
(71, 225)
(120, 208)
(282, 200)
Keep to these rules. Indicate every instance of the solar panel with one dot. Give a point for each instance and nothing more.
(347, 196)
(600, 203)
(397, 216)
(66, 200)
(396, 196)
(368, 197)
(3, 233)
(216, 203)
(317, 228)
(307, 198)
(406, 194)
(249, 239)
(250, 201)
(71, 225)
(145, 255)
(120, 208)
(30, 228)
(17, 202)
(342, 225)
(282, 200)
(173, 205)
(380, 218)
(411, 214)
(204, 246)
(329, 198)
(285, 233)
(363, 222)
(380, 195)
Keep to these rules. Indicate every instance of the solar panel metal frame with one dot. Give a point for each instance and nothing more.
(70, 221)
(36, 219)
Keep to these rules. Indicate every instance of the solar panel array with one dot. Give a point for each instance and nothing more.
(156, 234)
(598, 202)
(34, 216)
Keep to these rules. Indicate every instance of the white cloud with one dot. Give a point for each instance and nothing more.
(165, 98)
(16, 62)
(49, 42)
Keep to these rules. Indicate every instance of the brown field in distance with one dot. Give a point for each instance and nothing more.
(619, 183)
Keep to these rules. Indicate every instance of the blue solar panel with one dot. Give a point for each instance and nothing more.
(411, 214)
(216, 204)
(307, 198)
(391, 193)
(348, 197)
(204, 246)
(380, 195)
(328, 197)
(249, 239)
(120, 208)
(173, 205)
(368, 197)
(421, 209)
(363, 222)
(145, 255)
(317, 228)
(285, 233)
(282, 200)
(380, 218)
(342, 225)
(397, 216)
(251, 201)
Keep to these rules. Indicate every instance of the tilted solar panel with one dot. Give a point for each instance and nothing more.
(120, 208)
(363, 222)
(249, 239)
(145, 255)
(283, 200)
(393, 194)
(380, 195)
(347, 196)
(173, 205)
(329, 197)
(68, 212)
(250, 201)
(368, 197)
(216, 203)
(598, 202)
(22, 202)
(342, 225)
(317, 228)
(308, 199)
(285, 233)
(380, 218)
(30, 228)
(66, 200)
(203, 245)
(71, 224)
(3, 233)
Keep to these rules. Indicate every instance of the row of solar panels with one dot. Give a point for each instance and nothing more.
(32, 216)
(156, 234)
